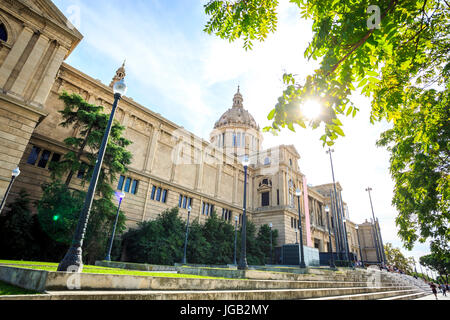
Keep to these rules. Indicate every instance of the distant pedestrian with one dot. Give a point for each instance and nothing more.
(444, 289)
(433, 288)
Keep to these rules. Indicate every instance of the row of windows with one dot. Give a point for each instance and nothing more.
(125, 183)
(159, 194)
(207, 209)
(43, 157)
(184, 202)
(226, 214)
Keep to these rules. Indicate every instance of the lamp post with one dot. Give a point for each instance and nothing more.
(359, 246)
(243, 260)
(302, 257)
(15, 174)
(332, 265)
(73, 259)
(187, 232)
(346, 241)
(235, 238)
(338, 216)
(380, 255)
(120, 195)
(271, 255)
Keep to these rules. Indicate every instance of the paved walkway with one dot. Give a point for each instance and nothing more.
(439, 296)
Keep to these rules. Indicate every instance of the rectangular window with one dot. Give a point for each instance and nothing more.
(243, 139)
(278, 197)
(184, 202)
(158, 194)
(33, 155)
(153, 193)
(44, 159)
(223, 139)
(164, 196)
(239, 139)
(134, 186)
(121, 179)
(127, 185)
(180, 199)
(190, 202)
(56, 157)
(264, 199)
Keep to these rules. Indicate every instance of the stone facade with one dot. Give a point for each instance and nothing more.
(171, 167)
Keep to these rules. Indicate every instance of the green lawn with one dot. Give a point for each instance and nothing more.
(7, 289)
(52, 266)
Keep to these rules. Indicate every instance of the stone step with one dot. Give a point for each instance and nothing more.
(369, 295)
(411, 296)
(280, 294)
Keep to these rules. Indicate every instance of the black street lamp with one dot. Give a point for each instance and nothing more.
(187, 232)
(235, 239)
(302, 257)
(14, 175)
(243, 260)
(338, 221)
(332, 265)
(271, 255)
(359, 246)
(379, 250)
(346, 241)
(120, 196)
(73, 259)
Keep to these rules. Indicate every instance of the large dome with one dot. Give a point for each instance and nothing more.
(237, 115)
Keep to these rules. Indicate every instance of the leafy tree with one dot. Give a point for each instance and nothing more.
(59, 208)
(158, 241)
(394, 52)
(90, 123)
(16, 225)
(437, 263)
(161, 241)
(263, 241)
(395, 258)
(220, 236)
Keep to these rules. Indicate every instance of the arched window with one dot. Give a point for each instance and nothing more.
(3, 32)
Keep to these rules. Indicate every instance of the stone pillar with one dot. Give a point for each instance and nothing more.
(307, 222)
(17, 122)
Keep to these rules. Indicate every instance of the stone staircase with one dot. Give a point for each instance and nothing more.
(317, 284)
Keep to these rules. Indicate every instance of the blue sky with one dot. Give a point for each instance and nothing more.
(189, 77)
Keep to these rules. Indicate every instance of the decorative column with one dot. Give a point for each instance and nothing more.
(307, 221)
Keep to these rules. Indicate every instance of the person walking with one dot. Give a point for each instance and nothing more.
(444, 289)
(433, 288)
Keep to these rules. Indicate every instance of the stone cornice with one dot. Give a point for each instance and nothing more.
(22, 104)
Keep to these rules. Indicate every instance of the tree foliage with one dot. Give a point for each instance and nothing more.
(16, 225)
(395, 258)
(394, 52)
(161, 241)
(60, 207)
(441, 264)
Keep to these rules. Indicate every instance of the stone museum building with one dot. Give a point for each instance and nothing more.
(171, 167)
